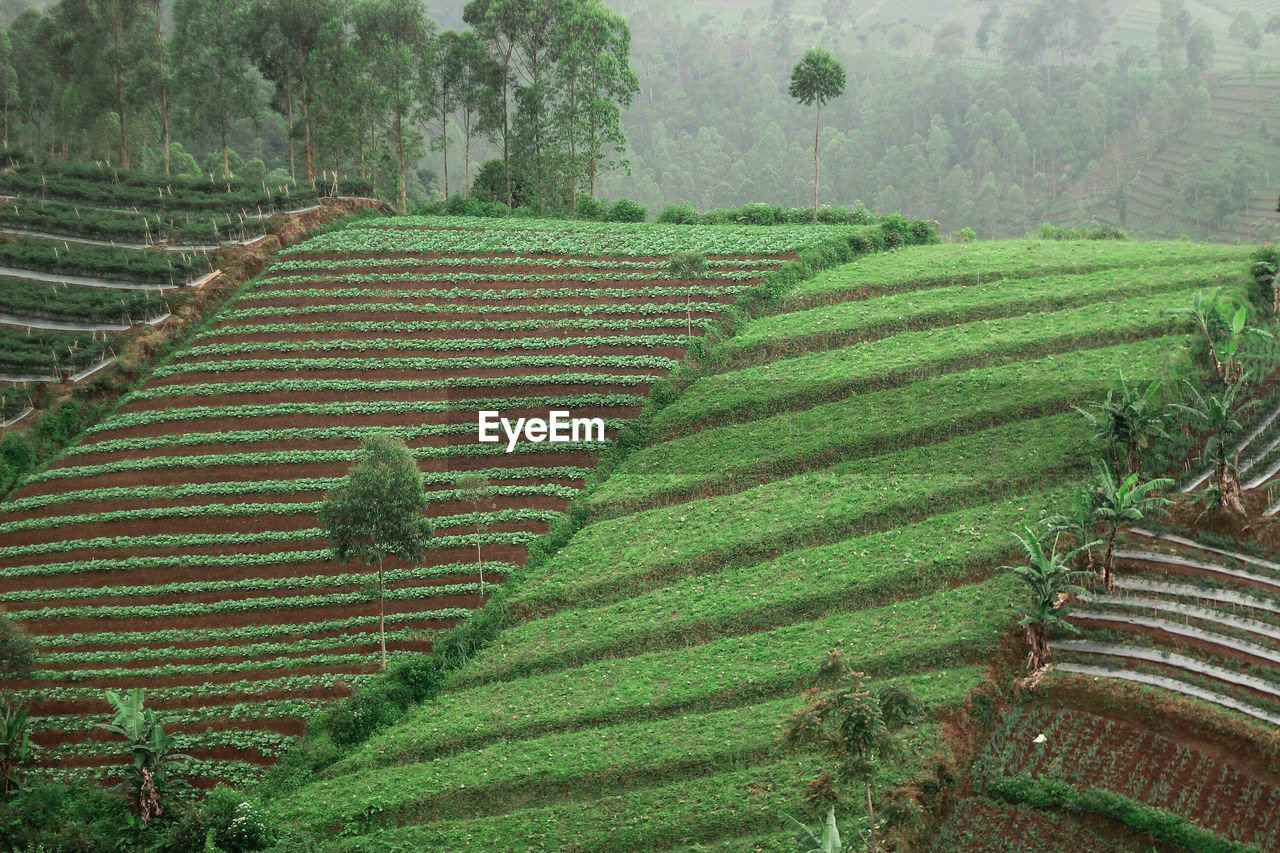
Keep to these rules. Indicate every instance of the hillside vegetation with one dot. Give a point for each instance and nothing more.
(845, 474)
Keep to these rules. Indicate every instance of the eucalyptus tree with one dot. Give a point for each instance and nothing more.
(478, 110)
(10, 98)
(441, 82)
(497, 24)
(394, 36)
(213, 79)
(285, 38)
(817, 79)
(377, 512)
(687, 266)
(594, 81)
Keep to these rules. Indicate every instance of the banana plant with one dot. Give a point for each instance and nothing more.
(827, 842)
(147, 777)
(15, 746)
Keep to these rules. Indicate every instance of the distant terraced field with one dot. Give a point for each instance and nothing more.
(176, 546)
(845, 473)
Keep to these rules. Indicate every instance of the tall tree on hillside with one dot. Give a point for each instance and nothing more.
(497, 24)
(478, 92)
(119, 23)
(817, 79)
(284, 37)
(594, 81)
(441, 81)
(376, 512)
(394, 36)
(10, 100)
(212, 71)
(162, 73)
(540, 22)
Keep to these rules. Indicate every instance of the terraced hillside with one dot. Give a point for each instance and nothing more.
(176, 546)
(845, 474)
(1241, 109)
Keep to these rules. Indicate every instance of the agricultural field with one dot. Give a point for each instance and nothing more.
(177, 547)
(845, 472)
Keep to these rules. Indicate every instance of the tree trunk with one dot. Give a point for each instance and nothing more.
(444, 145)
(226, 150)
(506, 131)
(120, 107)
(466, 156)
(308, 139)
(404, 191)
(817, 128)
(871, 823)
(382, 614)
(164, 93)
(288, 114)
(1109, 558)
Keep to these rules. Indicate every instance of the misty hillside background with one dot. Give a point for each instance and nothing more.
(1160, 116)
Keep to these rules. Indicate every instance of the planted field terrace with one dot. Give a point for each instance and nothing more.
(844, 471)
(176, 547)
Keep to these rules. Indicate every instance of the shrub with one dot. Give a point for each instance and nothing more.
(897, 230)
(17, 652)
(590, 207)
(679, 214)
(1266, 263)
(236, 823)
(964, 235)
(626, 210)
(1088, 232)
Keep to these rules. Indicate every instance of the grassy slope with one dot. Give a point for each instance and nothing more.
(671, 636)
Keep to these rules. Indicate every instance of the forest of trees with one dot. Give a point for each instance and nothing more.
(362, 87)
(989, 124)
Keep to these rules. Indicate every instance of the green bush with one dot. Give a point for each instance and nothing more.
(964, 235)
(1088, 232)
(17, 652)
(626, 210)
(235, 823)
(590, 207)
(679, 214)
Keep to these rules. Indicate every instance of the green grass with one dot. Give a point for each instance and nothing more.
(738, 456)
(846, 323)
(532, 772)
(820, 377)
(618, 557)
(943, 550)
(967, 263)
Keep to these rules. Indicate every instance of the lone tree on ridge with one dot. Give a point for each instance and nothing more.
(816, 79)
(376, 512)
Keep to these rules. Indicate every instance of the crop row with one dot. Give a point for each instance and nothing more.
(284, 663)
(93, 184)
(648, 749)
(38, 352)
(290, 646)
(965, 263)
(965, 623)
(287, 385)
(29, 298)
(72, 220)
(206, 693)
(1085, 750)
(263, 487)
(262, 709)
(283, 635)
(237, 774)
(497, 294)
(303, 265)
(529, 277)
(620, 556)
(844, 323)
(154, 267)
(265, 743)
(190, 540)
(942, 550)
(360, 407)
(439, 234)
(408, 326)
(739, 455)
(246, 584)
(578, 309)
(246, 605)
(441, 344)
(224, 510)
(457, 363)
(814, 378)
